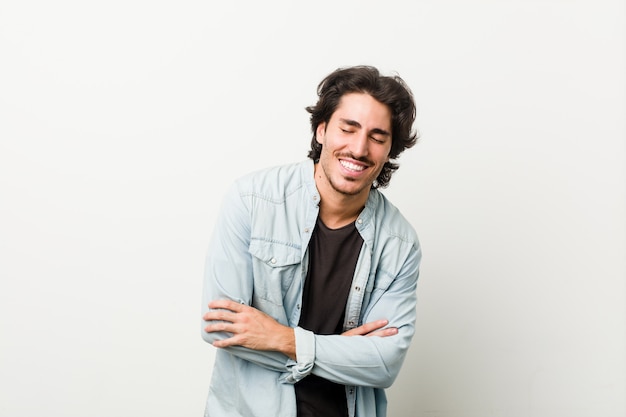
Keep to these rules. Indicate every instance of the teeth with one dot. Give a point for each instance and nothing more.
(351, 166)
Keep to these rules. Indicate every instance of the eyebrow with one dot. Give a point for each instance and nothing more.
(354, 123)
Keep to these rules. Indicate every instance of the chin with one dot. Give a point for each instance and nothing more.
(351, 189)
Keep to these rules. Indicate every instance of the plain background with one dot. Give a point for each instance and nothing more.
(123, 122)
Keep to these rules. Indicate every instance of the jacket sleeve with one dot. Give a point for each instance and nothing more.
(371, 361)
(228, 275)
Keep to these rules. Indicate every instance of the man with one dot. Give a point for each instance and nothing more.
(309, 290)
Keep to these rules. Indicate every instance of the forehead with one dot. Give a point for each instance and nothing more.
(364, 109)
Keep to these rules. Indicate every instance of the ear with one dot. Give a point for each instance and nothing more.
(320, 132)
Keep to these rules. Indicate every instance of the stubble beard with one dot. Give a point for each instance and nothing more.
(337, 188)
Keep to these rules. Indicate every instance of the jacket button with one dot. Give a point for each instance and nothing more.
(273, 260)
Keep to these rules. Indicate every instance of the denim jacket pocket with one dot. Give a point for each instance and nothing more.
(380, 281)
(274, 266)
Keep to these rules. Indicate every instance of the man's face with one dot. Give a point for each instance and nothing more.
(356, 143)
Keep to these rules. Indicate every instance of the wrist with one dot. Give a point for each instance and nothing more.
(286, 342)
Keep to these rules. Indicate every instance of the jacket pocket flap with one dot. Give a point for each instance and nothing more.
(274, 254)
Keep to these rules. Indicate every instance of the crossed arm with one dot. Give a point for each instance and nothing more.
(253, 329)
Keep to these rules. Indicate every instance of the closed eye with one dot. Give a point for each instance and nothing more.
(375, 139)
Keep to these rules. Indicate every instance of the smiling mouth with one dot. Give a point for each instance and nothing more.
(352, 166)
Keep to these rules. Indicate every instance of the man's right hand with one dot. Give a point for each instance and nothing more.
(374, 328)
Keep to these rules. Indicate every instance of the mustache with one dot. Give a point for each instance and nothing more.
(351, 156)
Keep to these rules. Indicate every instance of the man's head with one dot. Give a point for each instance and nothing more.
(391, 91)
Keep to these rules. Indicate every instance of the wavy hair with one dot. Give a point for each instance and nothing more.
(389, 90)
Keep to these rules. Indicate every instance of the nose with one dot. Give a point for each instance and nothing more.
(359, 145)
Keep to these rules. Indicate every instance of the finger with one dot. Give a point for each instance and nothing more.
(366, 328)
(231, 341)
(220, 326)
(226, 305)
(220, 315)
(389, 331)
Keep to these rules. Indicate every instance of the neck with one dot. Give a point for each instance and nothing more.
(334, 219)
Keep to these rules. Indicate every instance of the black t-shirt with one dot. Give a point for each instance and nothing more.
(333, 254)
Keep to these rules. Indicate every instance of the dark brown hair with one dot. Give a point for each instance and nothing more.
(389, 90)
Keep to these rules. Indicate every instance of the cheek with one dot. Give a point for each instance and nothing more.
(383, 156)
(388, 154)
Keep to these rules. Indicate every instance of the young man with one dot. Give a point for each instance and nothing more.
(309, 290)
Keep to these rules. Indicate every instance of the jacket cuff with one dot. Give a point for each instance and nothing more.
(305, 354)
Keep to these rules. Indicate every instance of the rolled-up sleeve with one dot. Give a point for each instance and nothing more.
(305, 356)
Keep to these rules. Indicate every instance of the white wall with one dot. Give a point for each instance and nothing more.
(121, 124)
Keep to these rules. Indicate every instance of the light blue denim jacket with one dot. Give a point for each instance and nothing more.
(258, 256)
